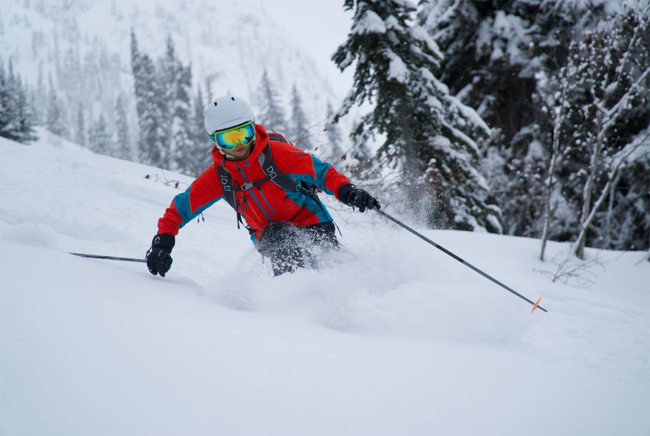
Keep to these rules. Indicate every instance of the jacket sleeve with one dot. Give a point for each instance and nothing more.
(202, 193)
(307, 168)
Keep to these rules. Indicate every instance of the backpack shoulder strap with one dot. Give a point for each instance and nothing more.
(272, 171)
(226, 186)
(275, 136)
(285, 182)
(229, 190)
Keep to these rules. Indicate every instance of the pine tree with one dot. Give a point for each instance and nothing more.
(357, 162)
(333, 148)
(150, 107)
(8, 106)
(513, 179)
(136, 67)
(16, 116)
(272, 113)
(198, 125)
(26, 133)
(202, 144)
(55, 121)
(80, 131)
(169, 73)
(124, 148)
(151, 118)
(496, 56)
(4, 112)
(39, 95)
(428, 146)
(299, 126)
(187, 156)
(100, 140)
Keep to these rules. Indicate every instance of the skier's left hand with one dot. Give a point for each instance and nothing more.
(357, 197)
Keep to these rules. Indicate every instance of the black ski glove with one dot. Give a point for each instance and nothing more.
(159, 259)
(357, 197)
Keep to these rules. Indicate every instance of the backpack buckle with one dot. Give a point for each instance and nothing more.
(246, 186)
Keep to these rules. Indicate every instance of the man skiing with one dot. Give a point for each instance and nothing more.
(269, 182)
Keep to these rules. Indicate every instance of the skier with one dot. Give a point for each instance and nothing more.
(266, 180)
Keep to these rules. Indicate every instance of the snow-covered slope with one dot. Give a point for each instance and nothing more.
(390, 336)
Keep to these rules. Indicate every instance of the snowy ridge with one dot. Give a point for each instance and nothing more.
(85, 47)
(389, 336)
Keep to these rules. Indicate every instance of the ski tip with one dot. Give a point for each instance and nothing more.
(536, 305)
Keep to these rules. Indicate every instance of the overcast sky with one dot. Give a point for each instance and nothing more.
(317, 26)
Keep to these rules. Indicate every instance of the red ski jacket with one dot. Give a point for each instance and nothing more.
(264, 204)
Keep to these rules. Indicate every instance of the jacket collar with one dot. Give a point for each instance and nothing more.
(261, 142)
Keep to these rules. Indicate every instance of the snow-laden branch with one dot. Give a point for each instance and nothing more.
(633, 41)
(613, 113)
(620, 162)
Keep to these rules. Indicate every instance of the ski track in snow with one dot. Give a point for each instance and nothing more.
(383, 283)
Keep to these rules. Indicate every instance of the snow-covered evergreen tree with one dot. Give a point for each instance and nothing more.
(80, 128)
(123, 147)
(513, 178)
(26, 133)
(333, 149)
(6, 114)
(198, 108)
(55, 121)
(169, 70)
(16, 118)
(428, 143)
(186, 156)
(150, 106)
(201, 142)
(271, 114)
(357, 162)
(496, 56)
(100, 139)
(298, 130)
(39, 94)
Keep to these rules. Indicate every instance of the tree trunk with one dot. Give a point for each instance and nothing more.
(588, 190)
(584, 226)
(557, 127)
(547, 206)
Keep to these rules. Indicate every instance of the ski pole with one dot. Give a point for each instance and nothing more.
(97, 256)
(467, 264)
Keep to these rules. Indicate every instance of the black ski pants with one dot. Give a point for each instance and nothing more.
(291, 247)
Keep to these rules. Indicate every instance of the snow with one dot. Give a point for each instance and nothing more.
(397, 69)
(506, 35)
(389, 337)
(636, 150)
(370, 22)
(472, 115)
(420, 34)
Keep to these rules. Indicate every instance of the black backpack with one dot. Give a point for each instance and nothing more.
(273, 174)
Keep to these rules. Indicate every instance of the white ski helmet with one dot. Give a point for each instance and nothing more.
(225, 112)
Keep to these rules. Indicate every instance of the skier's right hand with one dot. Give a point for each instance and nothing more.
(159, 259)
(357, 197)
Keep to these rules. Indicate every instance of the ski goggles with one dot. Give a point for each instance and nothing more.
(228, 139)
